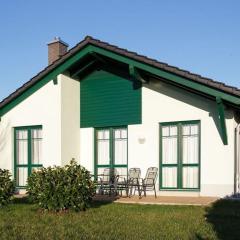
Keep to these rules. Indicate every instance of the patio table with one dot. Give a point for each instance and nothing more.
(107, 183)
(127, 184)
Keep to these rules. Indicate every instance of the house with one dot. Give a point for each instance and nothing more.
(108, 107)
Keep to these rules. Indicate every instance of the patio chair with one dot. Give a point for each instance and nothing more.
(133, 180)
(107, 180)
(148, 183)
(129, 182)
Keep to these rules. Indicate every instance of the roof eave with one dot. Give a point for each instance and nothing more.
(89, 45)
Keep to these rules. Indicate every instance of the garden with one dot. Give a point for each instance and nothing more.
(59, 205)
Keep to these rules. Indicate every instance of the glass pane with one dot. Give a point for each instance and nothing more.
(22, 134)
(36, 133)
(120, 151)
(37, 151)
(124, 133)
(103, 134)
(186, 130)
(190, 149)
(122, 172)
(169, 131)
(103, 174)
(194, 129)
(36, 146)
(120, 146)
(169, 150)
(173, 130)
(103, 152)
(106, 134)
(22, 175)
(169, 177)
(190, 129)
(120, 133)
(100, 135)
(22, 151)
(100, 171)
(190, 177)
(117, 134)
(165, 131)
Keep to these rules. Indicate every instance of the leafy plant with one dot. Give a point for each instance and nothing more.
(61, 188)
(7, 187)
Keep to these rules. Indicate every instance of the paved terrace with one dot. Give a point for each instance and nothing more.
(160, 200)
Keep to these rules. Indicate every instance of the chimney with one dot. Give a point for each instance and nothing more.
(56, 49)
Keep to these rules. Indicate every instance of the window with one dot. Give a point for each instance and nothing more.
(28, 152)
(111, 150)
(180, 155)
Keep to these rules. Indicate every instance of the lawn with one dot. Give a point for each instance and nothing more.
(22, 220)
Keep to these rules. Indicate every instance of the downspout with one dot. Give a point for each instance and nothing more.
(237, 159)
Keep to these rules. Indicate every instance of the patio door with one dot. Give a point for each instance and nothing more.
(180, 155)
(111, 150)
(27, 152)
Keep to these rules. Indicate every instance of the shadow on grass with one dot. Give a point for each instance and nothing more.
(224, 215)
(198, 237)
(21, 200)
(100, 200)
(97, 201)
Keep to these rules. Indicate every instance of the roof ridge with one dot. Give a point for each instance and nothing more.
(165, 65)
(130, 54)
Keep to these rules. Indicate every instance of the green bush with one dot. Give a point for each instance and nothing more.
(7, 187)
(61, 188)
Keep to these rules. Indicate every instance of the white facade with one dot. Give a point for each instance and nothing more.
(168, 104)
(57, 109)
(42, 108)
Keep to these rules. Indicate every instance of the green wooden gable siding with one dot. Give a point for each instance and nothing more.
(109, 100)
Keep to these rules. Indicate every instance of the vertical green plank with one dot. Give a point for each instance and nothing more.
(199, 155)
(95, 154)
(15, 155)
(127, 152)
(160, 156)
(111, 148)
(181, 155)
(29, 151)
(179, 151)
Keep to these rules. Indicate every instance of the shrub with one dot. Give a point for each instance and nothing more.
(7, 187)
(61, 188)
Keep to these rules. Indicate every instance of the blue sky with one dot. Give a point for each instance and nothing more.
(200, 36)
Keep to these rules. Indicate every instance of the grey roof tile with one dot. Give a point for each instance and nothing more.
(129, 54)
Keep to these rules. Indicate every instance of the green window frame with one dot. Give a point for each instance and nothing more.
(29, 138)
(179, 165)
(111, 139)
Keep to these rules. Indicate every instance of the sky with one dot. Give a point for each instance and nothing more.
(200, 36)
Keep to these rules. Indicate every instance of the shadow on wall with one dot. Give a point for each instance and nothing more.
(4, 131)
(190, 99)
(224, 216)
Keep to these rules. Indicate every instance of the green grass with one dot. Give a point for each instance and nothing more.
(122, 221)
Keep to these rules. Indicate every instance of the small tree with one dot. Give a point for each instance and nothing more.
(7, 187)
(61, 188)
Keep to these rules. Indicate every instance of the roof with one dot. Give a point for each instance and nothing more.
(123, 52)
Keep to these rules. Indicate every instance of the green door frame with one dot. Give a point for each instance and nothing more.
(111, 142)
(179, 163)
(29, 164)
